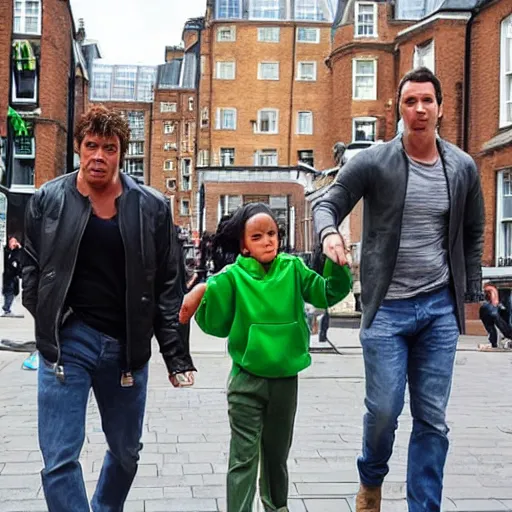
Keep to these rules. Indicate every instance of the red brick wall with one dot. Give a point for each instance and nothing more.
(6, 9)
(213, 191)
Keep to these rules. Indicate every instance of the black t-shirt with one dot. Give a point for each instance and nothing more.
(97, 293)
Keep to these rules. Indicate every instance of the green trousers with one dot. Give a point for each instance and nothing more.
(261, 416)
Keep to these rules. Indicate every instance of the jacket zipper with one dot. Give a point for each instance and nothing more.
(126, 377)
(58, 368)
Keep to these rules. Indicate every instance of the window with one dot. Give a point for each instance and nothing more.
(27, 17)
(266, 157)
(185, 174)
(225, 34)
(24, 73)
(308, 35)
(170, 184)
(315, 10)
(424, 56)
(169, 145)
(267, 9)
(135, 149)
(225, 70)
(123, 84)
(134, 168)
(168, 165)
(504, 219)
(136, 122)
(228, 204)
(363, 128)
(166, 106)
(185, 207)
(506, 72)
(364, 79)
(366, 19)
(203, 158)
(226, 119)
(305, 123)
(204, 117)
(306, 71)
(267, 121)
(227, 157)
(191, 104)
(268, 71)
(23, 162)
(306, 156)
(168, 127)
(268, 34)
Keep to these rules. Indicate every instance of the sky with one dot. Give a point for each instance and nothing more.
(135, 31)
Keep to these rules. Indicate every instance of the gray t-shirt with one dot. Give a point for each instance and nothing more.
(422, 262)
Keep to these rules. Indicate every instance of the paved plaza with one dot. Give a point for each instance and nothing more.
(183, 464)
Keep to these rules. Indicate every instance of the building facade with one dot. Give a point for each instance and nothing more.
(43, 87)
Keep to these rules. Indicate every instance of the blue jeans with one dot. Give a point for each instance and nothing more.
(91, 360)
(8, 300)
(410, 340)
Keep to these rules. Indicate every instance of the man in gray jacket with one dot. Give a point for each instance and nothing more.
(421, 260)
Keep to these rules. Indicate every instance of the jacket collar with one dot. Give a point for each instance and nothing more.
(254, 268)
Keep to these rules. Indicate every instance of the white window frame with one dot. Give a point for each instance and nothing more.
(419, 57)
(203, 158)
(354, 79)
(253, 7)
(356, 120)
(356, 19)
(221, 157)
(500, 239)
(261, 30)
(15, 98)
(168, 165)
(217, 8)
(219, 118)
(169, 183)
(300, 76)
(168, 106)
(168, 127)
(260, 70)
(310, 113)
(169, 146)
(226, 28)
(191, 104)
(317, 35)
(266, 152)
(229, 68)
(257, 128)
(182, 212)
(22, 156)
(506, 33)
(23, 17)
(187, 174)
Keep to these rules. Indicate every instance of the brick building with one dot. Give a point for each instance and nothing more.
(43, 78)
(264, 92)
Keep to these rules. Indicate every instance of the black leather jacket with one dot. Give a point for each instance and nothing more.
(56, 218)
(379, 176)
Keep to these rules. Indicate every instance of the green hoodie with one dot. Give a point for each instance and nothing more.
(262, 312)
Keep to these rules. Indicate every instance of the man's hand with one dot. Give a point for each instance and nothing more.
(182, 380)
(334, 248)
(191, 302)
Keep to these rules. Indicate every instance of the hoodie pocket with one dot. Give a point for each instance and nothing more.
(276, 350)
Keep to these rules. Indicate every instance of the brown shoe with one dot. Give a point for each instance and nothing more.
(368, 499)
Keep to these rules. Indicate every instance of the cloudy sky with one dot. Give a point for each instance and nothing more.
(136, 31)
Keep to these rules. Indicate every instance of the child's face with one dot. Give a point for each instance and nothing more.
(260, 238)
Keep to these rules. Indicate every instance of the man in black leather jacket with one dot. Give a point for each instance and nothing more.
(102, 275)
(421, 258)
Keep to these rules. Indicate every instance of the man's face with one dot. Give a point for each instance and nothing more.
(99, 159)
(261, 238)
(13, 243)
(419, 108)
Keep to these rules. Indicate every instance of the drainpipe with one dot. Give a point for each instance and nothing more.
(70, 153)
(292, 86)
(467, 81)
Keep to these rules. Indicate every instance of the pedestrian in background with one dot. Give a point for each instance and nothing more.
(12, 274)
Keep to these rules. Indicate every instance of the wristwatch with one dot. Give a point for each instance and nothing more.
(331, 230)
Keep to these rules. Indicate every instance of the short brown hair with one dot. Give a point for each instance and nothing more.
(100, 120)
(422, 74)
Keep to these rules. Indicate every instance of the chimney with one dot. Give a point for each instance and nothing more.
(80, 35)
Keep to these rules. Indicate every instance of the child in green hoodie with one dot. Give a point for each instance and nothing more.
(258, 304)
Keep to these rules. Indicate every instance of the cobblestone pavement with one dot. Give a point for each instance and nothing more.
(186, 434)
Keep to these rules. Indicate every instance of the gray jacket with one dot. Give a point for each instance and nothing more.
(379, 176)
